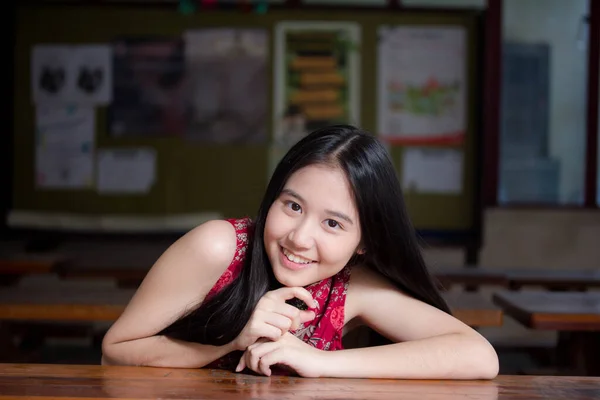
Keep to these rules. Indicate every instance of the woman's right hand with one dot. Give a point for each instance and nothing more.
(273, 317)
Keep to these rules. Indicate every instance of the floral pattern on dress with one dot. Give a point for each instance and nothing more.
(324, 332)
(241, 231)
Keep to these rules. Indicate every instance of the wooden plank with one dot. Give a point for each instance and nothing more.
(44, 381)
(552, 310)
(28, 263)
(470, 276)
(73, 304)
(473, 309)
(564, 279)
(66, 304)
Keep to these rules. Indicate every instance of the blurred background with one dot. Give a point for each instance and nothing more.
(127, 123)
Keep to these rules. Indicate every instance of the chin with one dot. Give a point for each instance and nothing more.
(285, 278)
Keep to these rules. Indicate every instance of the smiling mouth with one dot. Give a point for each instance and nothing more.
(294, 258)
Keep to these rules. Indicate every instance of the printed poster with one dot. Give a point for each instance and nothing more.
(64, 147)
(126, 170)
(151, 88)
(316, 79)
(92, 74)
(66, 74)
(228, 77)
(432, 170)
(422, 85)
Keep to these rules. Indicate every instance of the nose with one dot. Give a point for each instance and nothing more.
(301, 235)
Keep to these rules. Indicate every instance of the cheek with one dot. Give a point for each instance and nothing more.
(274, 225)
(336, 252)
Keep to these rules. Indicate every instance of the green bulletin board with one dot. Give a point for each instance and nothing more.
(228, 179)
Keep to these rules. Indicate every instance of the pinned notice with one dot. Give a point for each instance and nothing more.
(437, 171)
(126, 171)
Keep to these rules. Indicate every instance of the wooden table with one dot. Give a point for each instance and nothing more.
(13, 266)
(470, 277)
(473, 309)
(126, 264)
(563, 280)
(20, 381)
(516, 279)
(63, 304)
(575, 315)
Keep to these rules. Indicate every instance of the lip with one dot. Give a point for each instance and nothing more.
(290, 264)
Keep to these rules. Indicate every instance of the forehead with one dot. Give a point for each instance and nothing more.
(323, 185)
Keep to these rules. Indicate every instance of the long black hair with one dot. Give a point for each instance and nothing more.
(388, 237)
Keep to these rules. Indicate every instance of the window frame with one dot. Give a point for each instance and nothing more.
(492, 110)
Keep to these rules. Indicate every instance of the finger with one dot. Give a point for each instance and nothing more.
(257, 355)
(306, 316)
(301, 317)
(252, 361)
(268, 331)
(291, 313)
(276, 356)
(264, 348)
(288, 293)
(253, 356)
(242, 364)
(279, 321)
(287, 310)
(257, 343)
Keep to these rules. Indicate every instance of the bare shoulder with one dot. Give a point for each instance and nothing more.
(363, 283)
(213, 242)
(195, 261)
(368, 288)
(181, 277)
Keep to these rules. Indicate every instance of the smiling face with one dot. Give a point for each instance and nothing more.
(312, 228)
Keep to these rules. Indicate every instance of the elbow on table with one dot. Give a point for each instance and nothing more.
(117, 353)
(109, 354)
(486, 363)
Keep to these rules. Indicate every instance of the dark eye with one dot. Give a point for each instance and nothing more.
(332, 223)
(294, 206)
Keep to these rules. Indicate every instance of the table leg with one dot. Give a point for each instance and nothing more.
(578, 352)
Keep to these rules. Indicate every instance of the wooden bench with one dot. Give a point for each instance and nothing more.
(556, 280)
(126, 263)
(104, 304)
(576, 316)
(14, 266)
(470, 277)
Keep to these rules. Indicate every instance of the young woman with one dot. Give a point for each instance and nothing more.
(331, 248)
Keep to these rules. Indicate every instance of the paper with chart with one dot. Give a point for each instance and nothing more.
(437, 171)
(316, 80)
(64, 147)
(317, 77)
(422, 85)
(126, 170)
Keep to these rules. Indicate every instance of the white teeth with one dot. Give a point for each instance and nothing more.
(294, 258)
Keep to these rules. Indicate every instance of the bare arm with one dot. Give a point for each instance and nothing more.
(428, 343)
(179, 279)
(164, 352)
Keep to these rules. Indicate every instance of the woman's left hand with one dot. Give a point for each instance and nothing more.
(288, 351)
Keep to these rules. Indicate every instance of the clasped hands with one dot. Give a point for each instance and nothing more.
(266, 340)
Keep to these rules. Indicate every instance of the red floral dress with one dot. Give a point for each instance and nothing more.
(324, 332)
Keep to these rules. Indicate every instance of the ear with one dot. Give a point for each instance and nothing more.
(361, 251)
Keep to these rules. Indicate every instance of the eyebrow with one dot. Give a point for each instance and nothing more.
(337, 214)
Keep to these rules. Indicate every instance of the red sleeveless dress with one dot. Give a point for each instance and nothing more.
(324, 332)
